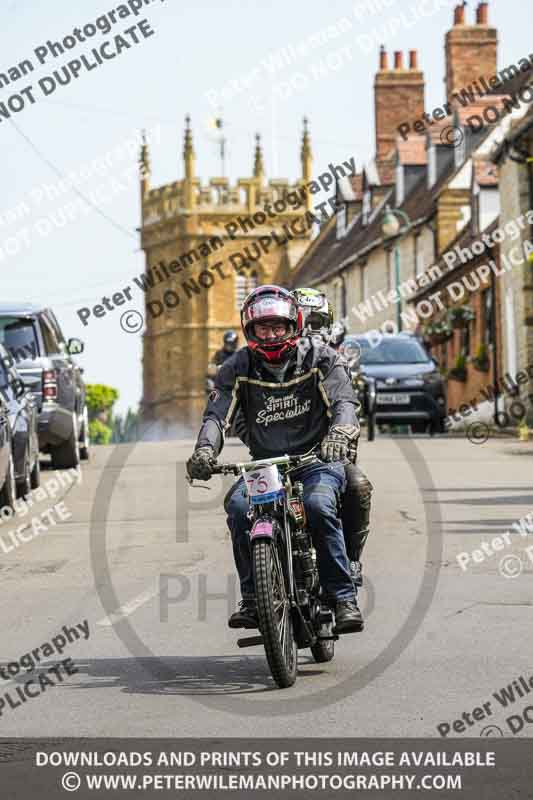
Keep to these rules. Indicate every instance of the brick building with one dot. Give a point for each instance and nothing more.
(514, 156)
(194, 287)
(440, 175)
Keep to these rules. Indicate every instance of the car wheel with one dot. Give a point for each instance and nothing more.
(8, 492)
(35, 474)
(24, 486)
(84, 437)
(67, 454)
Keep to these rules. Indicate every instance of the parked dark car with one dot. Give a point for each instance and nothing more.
(409, 387)
(19, 444)
(32, 336)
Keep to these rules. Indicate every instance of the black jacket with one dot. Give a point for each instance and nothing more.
(222, 356)
(278, 418)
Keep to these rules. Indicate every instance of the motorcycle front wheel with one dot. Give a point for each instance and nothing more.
(274, 612)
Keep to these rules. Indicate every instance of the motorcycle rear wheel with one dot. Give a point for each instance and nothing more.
(274, 612)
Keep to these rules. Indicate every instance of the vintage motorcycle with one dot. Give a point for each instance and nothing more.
(290, 609)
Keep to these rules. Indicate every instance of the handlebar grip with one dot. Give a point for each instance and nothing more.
(224, 469)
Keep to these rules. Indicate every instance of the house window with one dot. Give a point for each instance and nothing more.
(487, 307)
(390, 270)
(417, 256)
(460, 148)
(476, 210)
(367, 207)
(400, 188)
(341, 221)
(432, 165)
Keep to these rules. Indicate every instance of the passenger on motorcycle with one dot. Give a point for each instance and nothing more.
(291, 403)
(356, 500)
(229, 346)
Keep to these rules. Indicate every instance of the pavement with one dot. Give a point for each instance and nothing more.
(146, 561)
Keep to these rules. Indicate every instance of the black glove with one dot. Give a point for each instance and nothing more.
(335, 446)
(200, 464)
(352, 451)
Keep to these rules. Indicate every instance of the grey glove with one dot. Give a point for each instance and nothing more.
(335, 446)
(200, 464)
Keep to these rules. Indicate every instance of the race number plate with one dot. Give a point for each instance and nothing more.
(263, 484)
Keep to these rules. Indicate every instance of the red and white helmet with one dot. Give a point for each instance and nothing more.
(265, 304)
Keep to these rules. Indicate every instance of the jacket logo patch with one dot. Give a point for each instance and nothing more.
(215, 394)
(279, 409)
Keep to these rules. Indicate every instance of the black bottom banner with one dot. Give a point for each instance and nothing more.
(274, 768)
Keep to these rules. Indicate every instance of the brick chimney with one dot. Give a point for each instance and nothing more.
(398, 97)
(471, 50)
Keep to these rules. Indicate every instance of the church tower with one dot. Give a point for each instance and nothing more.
(205, 248)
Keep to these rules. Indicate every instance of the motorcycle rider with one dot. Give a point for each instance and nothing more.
(230, 342)
(356, 501)
(290, 405)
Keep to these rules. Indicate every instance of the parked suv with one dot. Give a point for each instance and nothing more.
(32, 336)
(409, 387)
(19, 450)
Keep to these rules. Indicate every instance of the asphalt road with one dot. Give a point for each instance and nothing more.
(142, 554)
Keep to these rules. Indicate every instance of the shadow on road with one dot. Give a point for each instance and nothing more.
(189, 675)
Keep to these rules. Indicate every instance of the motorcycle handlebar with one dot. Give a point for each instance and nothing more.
(293, 461)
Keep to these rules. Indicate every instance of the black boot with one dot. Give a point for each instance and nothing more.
(246, 614)
(348, 617)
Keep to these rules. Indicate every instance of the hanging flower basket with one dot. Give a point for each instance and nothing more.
(458, 372)
(481, 360)
(461, 316)
(439, 332)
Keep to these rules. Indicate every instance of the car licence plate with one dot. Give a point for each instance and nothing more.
(392, 399)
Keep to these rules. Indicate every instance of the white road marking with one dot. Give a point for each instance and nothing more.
(129, 608)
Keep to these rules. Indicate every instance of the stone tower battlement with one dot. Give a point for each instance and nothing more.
(193, 288)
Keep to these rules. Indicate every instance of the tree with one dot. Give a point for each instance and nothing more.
(100, 400)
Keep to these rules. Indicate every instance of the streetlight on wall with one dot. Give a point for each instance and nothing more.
(391, 228)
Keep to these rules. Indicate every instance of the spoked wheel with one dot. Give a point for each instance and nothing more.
(274, 612)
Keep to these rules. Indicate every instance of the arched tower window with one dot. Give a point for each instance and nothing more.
(240, 290)
(244, 284)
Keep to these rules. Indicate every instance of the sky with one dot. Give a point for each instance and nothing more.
(235, 59)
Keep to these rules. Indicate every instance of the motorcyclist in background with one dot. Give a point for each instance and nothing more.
(292, 402)
(356, 501)
(229, 346)
(337, 334)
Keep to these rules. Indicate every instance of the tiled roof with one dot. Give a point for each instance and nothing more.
(324, 260)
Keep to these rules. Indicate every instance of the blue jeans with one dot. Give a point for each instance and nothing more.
(323, 485)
